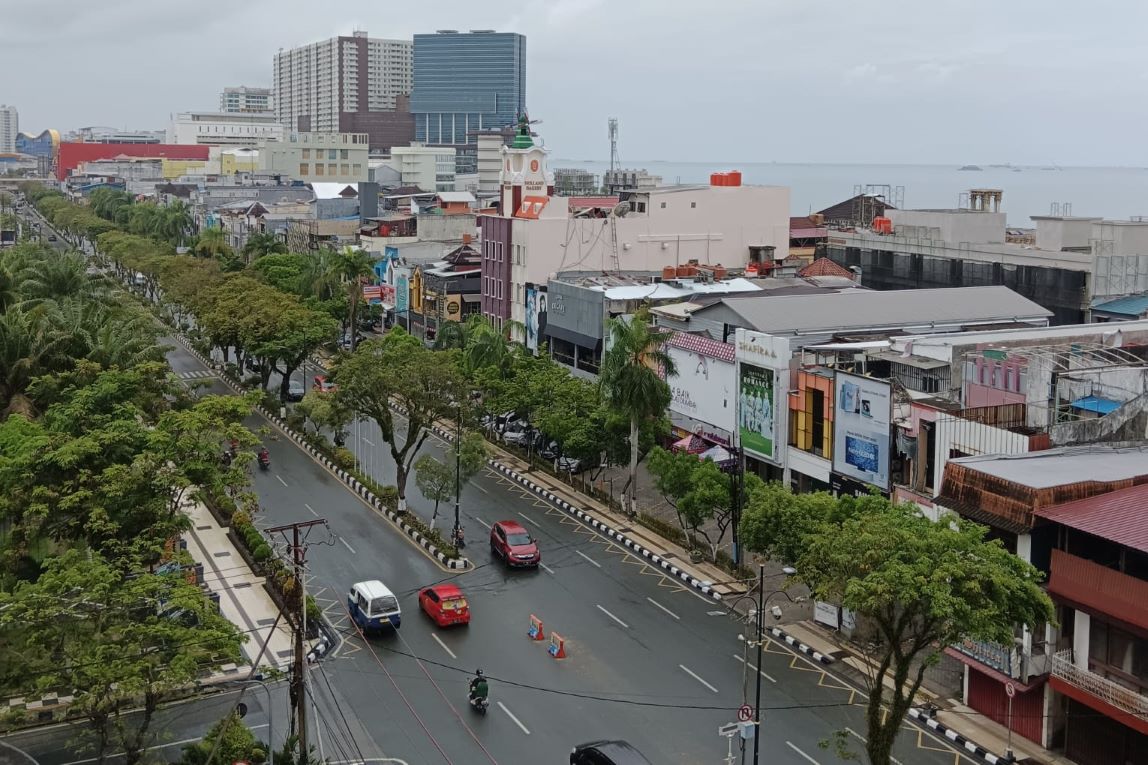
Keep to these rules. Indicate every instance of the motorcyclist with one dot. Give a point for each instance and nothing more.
(264, 455)
(226, 459)
(478, 687)
(234, 446)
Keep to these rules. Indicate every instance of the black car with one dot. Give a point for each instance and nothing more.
(607, 753)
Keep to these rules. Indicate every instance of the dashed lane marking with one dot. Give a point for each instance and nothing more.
(352, 549)
(484, 523)
(588, 558)
(515, 719)
(755, 669)
(280, 479)
(861, 738)
(695, 676)
(547, 568)
(793, 746)
(603, 610)
(668, 611)
(443, 645)
(527, 517)
(311, 509)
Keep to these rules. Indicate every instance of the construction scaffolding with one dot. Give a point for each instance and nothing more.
(871, 199)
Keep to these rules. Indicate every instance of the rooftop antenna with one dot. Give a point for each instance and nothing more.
(614, 144)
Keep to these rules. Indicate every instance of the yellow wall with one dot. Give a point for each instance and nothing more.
(230, 164)
(174, 168)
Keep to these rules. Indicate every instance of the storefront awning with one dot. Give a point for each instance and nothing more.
(570, 336)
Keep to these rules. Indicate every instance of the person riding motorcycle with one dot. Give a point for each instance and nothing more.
(479, 690)
(264, 456)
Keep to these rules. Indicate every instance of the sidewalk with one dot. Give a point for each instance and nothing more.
(952, 714)
(242, 599)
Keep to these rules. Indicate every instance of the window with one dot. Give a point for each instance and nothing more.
(357, 168)
(344, 154)
(331, 168)
(663, 205)
(344, 169)
(318, 169)
(640, 207)
(304, 168)
(306, 154)
(332, 153)
(693, 204)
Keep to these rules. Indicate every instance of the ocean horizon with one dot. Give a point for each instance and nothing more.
(1108, 192)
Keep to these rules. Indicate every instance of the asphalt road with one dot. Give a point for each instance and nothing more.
(647, 660)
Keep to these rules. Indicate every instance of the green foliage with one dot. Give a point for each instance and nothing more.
(435, 481)
(922, 585)
(697, 490)
(231, 740)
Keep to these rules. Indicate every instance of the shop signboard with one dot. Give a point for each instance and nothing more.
(861, 429)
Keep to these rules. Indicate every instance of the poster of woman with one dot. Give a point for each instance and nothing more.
(755, 410)
(531, 318)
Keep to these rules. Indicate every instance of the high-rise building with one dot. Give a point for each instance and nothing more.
(243, 99)
(466, 83)
(9, 127)
(328, 86)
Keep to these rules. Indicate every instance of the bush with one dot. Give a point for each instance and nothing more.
(261, 553)
(344, 458)
(314, 613)
(240, 518)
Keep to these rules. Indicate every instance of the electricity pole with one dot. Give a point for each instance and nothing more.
(298, 547)
(457, 467)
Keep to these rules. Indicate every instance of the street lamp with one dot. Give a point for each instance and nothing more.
(457, 468)
(761, 600)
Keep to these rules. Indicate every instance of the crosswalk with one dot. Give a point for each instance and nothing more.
(196, 374)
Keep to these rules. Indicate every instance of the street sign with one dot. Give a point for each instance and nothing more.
(745, 713)
(729, 729)
(1010, 690)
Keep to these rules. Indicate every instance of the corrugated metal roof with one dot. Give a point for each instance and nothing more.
(703, 345)
(1134, 305)
(1119, 516)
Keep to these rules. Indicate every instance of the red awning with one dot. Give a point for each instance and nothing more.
(1119, 516)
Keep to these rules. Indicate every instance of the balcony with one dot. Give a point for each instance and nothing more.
(1102, 689)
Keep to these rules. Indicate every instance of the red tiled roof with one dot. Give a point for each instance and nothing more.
(825, 267)
(1119, 516)
(702, 345)
(531, 207)
(582, 203)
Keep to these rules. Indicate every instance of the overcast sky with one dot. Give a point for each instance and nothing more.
(906, 81)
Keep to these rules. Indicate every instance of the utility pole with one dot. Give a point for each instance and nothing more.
(737, 493)
(457, 467)
(760, 640)
(298, 546)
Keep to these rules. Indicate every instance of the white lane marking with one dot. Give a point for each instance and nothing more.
(527, 517)
(281, 480)
(475, 485)
(857, 735)
(367, 441)
(791, 745)
(311, 509)
(21, 752)
(152, 748)
(668, 611)
(691, 673)
(546, 567)
(587, 557)
(443, 645)
(627, 626)
(352, 549)
(515, 719)
(750, 665)
(484, 523)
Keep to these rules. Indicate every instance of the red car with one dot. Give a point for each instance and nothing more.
(513, 543)
(445, 603)
(323, 385)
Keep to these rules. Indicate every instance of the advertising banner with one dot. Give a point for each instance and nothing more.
(402, 275)
(532, 318)
(703, 388)
(861, 429)
(757, 403)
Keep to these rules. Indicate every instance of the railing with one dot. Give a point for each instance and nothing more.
(1124, 699)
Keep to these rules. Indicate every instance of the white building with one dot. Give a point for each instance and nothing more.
(9, 127)
(245, 100)
(223, 129)
(431, 168)
(311, 157)
(315, 84)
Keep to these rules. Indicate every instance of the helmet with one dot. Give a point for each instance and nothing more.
(478, 672)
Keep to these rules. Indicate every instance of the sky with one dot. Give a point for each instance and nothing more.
(900, 81)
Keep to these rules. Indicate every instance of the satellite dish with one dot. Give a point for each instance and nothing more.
(621, 210)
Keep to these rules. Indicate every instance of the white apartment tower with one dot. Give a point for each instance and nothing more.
(244, 100)
(9, 127)
(316, 84)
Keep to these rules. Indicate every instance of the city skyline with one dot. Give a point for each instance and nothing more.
(954, 83)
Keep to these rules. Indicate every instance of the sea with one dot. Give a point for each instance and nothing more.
(1109, 192)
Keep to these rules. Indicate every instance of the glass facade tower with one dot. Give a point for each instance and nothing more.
(466, 82)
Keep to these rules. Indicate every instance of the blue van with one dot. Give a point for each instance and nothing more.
(373, 606)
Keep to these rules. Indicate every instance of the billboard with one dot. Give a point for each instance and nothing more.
(757, 405)
(532, 318)
(861, 429)
(402, 276)
(703, 389)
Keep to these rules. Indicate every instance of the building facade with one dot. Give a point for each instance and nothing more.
(72, 154)
(224, 129)
(246, 100)
(431, 168)
(467, 82)
(9, 128)
(310, 157)
(99, 134)
(318, 87)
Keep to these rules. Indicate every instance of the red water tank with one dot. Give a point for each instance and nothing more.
(883, 225)
(669, 273)
(734, 177)
(715, 179)
(751, 270)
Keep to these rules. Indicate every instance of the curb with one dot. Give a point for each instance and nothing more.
(924, 718)
(368, 496)
(797, 645)
(579, 514)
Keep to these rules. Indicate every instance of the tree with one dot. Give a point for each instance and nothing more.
(922, 585)
(698, 491)
(400, 370)
(261, 244)
(435, 481)
(352, 265)
(327, 411)
(230, 740)
(632, 381)
(122, 641)
(212, 243)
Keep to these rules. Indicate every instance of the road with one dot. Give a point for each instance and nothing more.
(647, 659)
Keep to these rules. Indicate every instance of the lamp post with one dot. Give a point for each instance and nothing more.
(457, 466)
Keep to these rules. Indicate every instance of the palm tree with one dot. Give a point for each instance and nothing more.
(262, 243)
(320, 278)
(173, 223)
(58, 278)
(632, 380)
(212, 243)
(26, 340)
(352, 265)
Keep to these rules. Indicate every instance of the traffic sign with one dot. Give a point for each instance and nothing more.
(745, 713)
(1010, 690)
